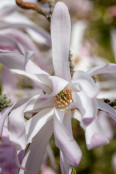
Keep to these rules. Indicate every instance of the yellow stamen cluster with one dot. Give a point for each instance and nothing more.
(63, 99)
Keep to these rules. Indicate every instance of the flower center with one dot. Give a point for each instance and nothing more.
(63, 99)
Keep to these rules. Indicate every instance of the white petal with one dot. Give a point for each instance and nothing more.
(36, 32)
(16, 125)
(109, 68)
(65, 141)
(94, 135)
(60, 33)
(76, 114)
(3, 114)
(64, 165)
(106, 108)
(87, 107)
(35, 153)
(85, 82)
(34, 125)
(39, 102)
(8, 83)
(8, 11)
(105, 124)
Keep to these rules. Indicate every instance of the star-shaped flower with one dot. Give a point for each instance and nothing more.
(63, 99)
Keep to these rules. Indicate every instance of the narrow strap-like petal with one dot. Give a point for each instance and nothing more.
(83, 81)
(109, 68)
(35, 124)
(32, 29)
(8, 83)
(94, 135)
(19, 37)
(17, 63)
(7, 160)
(106, 108)
(65, 141)
(8, 11)
(105, 124)
(60, 33)
(36, 150)
(16, 125)
(3, 114)
(64, 164)
(87, 107)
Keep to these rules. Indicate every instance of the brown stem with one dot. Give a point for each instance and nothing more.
(27, 5)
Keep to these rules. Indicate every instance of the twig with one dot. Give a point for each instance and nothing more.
(27, 5)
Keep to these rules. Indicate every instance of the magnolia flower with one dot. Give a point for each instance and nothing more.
(63, 99)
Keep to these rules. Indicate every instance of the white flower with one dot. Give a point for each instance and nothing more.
(64, 99)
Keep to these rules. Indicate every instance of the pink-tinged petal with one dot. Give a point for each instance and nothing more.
(67, 123)
(3, 114)
(47, 170)
(106, 108)
(94, 135)
(39, 102)
(8, 83)
(42, 101)
(8, 11)
(12, 60)
(105, 124)
(31, 28)
(108, 68)
(7, 161)
(87, 107)
(58, 84)
(60, 34)
(83, 81)
(16, 125)
(52, 157)
(36, 150)
(17, 63)
(35, 124)
(8, 42)
(64, 165)
(27, 43)
(65, 141)
(42, 83)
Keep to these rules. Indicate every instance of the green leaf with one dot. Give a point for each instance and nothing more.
(73, 171)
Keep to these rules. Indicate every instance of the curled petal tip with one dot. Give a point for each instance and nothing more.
(87, 120)
(60, 5)
(77, 159)
(97, 140)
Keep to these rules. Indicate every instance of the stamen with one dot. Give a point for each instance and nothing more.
(63, 99)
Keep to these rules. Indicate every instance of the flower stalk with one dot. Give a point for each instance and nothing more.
(27, 5)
